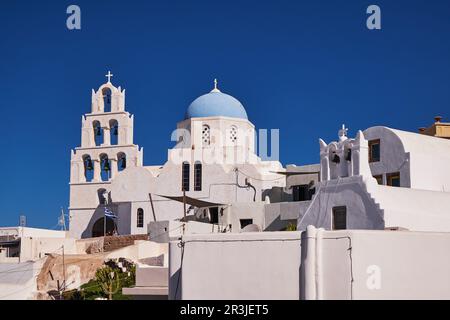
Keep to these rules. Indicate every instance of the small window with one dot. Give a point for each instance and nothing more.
(121, 161)
(233, 134)
(102, 196)
(301, 192)
(197, 176)
(206, 135)
(374, 150)
(340, 218)
(245, 222)
(214, 215)
(140, 218)
(379, 178)
(185, 176)
(107, 99)
(393, 179)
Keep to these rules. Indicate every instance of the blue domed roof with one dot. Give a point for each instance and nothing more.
(216, 104)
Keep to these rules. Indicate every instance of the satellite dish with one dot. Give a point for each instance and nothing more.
(251, 228)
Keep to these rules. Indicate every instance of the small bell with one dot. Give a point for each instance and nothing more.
(336, 159)
(348, 156)
(89, 164)
(123, 163)
(98, 131)
(116, 131)
(106, 166)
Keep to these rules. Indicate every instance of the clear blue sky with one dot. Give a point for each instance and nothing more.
(304, 67)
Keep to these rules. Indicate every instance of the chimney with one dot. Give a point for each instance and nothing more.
(438, 118)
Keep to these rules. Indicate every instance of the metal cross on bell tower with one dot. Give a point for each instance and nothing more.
(109, 75)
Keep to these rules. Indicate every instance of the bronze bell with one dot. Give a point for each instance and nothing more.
(106, 166)
(89, 164)
(98, 131)
(123, 163)
(336, 159)
(348, 155)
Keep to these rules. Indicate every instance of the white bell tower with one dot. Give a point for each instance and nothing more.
(106, 149)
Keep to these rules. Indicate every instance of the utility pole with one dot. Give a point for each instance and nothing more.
(61, 286)
(64, 267)
(104, 225)
(184, 209)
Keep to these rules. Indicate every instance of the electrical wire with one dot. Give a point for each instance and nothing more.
(248, 176)
(19, 268)
(17, 291)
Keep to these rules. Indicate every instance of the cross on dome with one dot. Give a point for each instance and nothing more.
(215, 87)
(109, 75)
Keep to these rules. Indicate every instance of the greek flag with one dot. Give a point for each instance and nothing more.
(110, 214)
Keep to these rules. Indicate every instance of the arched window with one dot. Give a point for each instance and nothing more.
(114, 132)
(101, 196)
(334, 160)
(348, 154)
(140, 218)
(107, 99)
(105, 165)
(98, 133)
(121, 161)
(198, 176)
(233, 134)
(206, 135)
(185, 176)
(88, 168)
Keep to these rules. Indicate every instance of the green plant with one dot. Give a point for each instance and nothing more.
(291, 227)
(108, 280)
(108, 283)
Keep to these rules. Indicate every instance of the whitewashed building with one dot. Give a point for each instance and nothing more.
(383, 178)
(214, 160)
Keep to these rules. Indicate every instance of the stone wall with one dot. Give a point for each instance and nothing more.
(116, 242)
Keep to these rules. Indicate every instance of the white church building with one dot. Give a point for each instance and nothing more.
(382, 179)
(214, 161)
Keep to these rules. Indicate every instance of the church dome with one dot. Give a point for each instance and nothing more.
(215, 104)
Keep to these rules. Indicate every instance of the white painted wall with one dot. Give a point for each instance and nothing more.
(33, 232)
(35, 248)
(383, 265)
(20, 280)
(421, 160)
(237, 266)
(315, 264)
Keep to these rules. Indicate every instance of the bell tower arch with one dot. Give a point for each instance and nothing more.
(106, 149)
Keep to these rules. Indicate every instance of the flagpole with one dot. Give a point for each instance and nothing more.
(104, 222)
